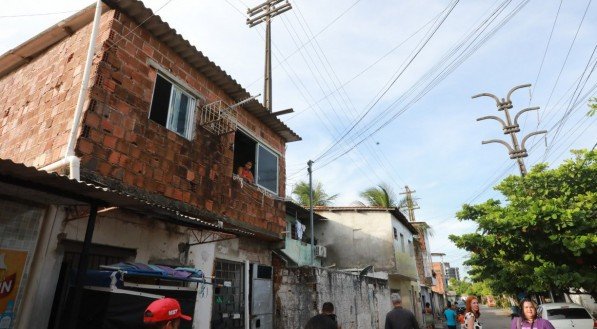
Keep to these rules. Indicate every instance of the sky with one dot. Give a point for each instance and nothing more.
(381, 90)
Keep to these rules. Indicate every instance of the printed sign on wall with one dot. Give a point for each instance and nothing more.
(12, 264)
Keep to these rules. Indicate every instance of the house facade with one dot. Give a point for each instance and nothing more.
(162, 123)
(424, 263)
(380, 239)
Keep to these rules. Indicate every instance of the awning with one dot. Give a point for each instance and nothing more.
(28, 183)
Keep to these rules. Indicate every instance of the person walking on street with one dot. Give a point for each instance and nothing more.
(325, 320)
(450, 315)
(528, 319)
(164, 313)
(471, 317)
(428, 317)
(399, 318)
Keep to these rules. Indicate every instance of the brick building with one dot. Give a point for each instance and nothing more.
(157, 125)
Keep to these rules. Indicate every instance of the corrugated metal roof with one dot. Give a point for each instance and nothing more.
(29, 183)
(144, 16)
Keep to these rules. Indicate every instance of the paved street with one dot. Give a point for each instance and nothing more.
(491, 318)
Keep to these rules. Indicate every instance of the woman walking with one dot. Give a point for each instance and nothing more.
(528, 319)
(471, 317)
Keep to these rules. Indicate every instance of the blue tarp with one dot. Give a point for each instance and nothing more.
(117, 272)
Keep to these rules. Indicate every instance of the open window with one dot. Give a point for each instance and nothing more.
(265, 161)
(172, 107)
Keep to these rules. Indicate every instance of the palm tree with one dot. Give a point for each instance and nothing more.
(320, 197)
(381, 196)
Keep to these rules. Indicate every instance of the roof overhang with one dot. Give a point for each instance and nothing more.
(18, 181)
(160, 30)
(300, 212)
(392, 210)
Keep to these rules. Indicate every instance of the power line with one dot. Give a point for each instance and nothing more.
(455, 62)
(418, 51)
(38, 14)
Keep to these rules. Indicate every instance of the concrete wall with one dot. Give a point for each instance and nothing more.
(154, 241)
(357, 239)
(406, 264)
(300, 293)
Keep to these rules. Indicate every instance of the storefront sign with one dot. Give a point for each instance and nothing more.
(12, 265)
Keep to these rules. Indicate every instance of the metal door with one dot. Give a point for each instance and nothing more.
(228, 300)
(262, 295)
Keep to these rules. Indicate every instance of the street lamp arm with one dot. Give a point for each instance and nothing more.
(494, 118)
(515, 89)
(497, 100)
(522, 111)
(524, 140)
(499, 141)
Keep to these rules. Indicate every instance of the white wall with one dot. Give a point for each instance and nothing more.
(357, 239)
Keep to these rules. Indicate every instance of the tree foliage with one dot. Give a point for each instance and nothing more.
(320, 197)
(592, 107)
(380, 196)
(461, 287)
(544, 236)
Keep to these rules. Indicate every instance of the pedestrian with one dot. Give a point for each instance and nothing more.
(164, 313)
(528, 319)
(450, 315)
(399, 318)
(471, 317)
(325, 320)
(428, 317)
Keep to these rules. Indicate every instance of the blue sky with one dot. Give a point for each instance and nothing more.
(348, 53)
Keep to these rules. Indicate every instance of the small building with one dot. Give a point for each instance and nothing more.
(158, 122)
(378, 239)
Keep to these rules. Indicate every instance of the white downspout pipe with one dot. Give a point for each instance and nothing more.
(70, 158)
(247, 287)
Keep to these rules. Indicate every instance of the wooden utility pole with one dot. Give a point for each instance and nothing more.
(264, 13)
(516, 151)
(411, 205)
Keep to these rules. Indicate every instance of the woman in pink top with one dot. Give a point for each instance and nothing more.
(528, 318)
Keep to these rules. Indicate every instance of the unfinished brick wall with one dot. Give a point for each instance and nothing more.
(37, 100)
(119, 146)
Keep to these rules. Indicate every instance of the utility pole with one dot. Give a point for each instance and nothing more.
(310, 170)
(411, 205)
(264, 13)
(516, 151)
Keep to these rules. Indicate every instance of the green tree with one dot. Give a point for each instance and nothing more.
(544, 236)
(320, 197)
(380, 196)
(592, 107)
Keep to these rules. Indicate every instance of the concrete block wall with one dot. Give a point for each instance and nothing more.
(299, 294)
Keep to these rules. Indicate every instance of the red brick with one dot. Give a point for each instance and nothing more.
(110, 141)
(85, 147)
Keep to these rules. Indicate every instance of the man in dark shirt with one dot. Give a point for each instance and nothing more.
(325, 320)
(399, 318)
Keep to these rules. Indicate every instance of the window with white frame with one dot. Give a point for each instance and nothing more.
(264, 162)
(173, 107)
